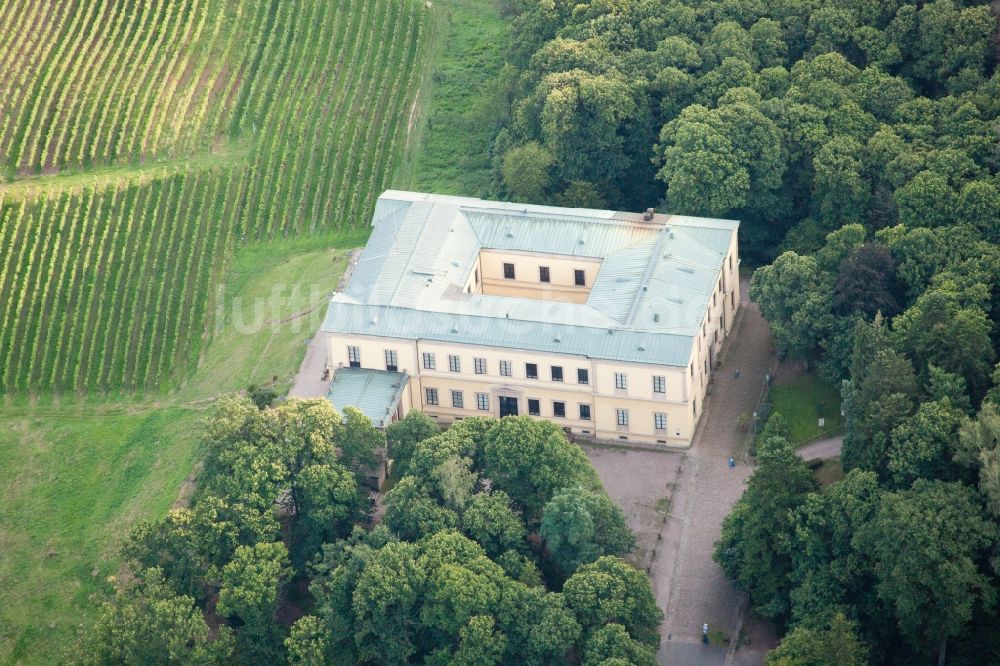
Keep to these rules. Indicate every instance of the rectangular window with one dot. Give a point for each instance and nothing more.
(454, 363)
(354, 356)
(534, 407)
(429, 363)
(391, 361)
(557, 375)
(622, 417)
(531, 370)
(543, 274)
(694, 407)
(477, 276)
(659, 384)
(582, 376)
(508, 271)
(692, 369)
(505, 369)
(432, 396)
(584, 412)
(480, 364)
(660, 421)
(580, 278)
(483, 402)
(559, 409)
(621, 381)
(457, 399)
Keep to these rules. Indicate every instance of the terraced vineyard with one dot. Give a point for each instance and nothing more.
(185, 126)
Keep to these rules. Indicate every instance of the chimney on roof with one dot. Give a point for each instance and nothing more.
(648, 215)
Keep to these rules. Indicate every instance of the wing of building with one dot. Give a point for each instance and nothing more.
(605, 322)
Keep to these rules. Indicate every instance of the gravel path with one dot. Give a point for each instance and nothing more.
(822, 449)
(309, 382)
(688, 584)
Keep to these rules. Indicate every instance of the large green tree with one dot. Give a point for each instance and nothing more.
(925, 543)
(755, 550)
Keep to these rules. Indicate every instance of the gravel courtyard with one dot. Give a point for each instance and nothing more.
(676, 501)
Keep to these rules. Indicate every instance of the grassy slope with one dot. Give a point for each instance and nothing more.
(454, 132)
(74, 476)
(73, 480)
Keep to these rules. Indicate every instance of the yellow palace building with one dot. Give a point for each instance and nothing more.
(604, 322)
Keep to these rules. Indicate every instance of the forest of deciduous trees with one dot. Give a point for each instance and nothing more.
(859, 144)
(498, 545)
(795, 117)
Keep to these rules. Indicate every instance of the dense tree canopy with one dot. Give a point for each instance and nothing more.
(480, 556)
(794, 117)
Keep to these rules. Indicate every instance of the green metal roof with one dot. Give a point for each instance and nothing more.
(375, 392)
(646, 304)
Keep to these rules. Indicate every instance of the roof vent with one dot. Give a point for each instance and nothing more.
(557, 339)
(642, 347)
(611, 331)
(374, 320)
(656, 318)
(454, 329)
(648, 215)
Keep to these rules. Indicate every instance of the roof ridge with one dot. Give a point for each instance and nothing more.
(650, 267)
(573, 217)
(680, 227)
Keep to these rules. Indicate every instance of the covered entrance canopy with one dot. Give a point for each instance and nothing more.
(375, 392)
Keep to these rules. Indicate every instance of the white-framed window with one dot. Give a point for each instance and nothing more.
(659, 384)
(391, 360)
(580, 277)
(534, 407)
(557, 375)
(543, 274)
(508, 271)
(454, 363)
(660, 421)
(621, 381)
(506, 369)
(622, 415)
(431, 396)
(559, 409)
(354, 356)
(429, 362)
(584, 412)
(483, 402)
(457, 399)
(582, 376)
(531, 370)
(480, 364)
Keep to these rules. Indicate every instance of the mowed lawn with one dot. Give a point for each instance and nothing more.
(74, 477)
(802, 400)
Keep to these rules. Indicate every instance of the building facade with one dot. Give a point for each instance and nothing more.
(606, 323)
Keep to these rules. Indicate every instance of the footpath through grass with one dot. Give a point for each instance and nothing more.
(457, 103)
(74, 475)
